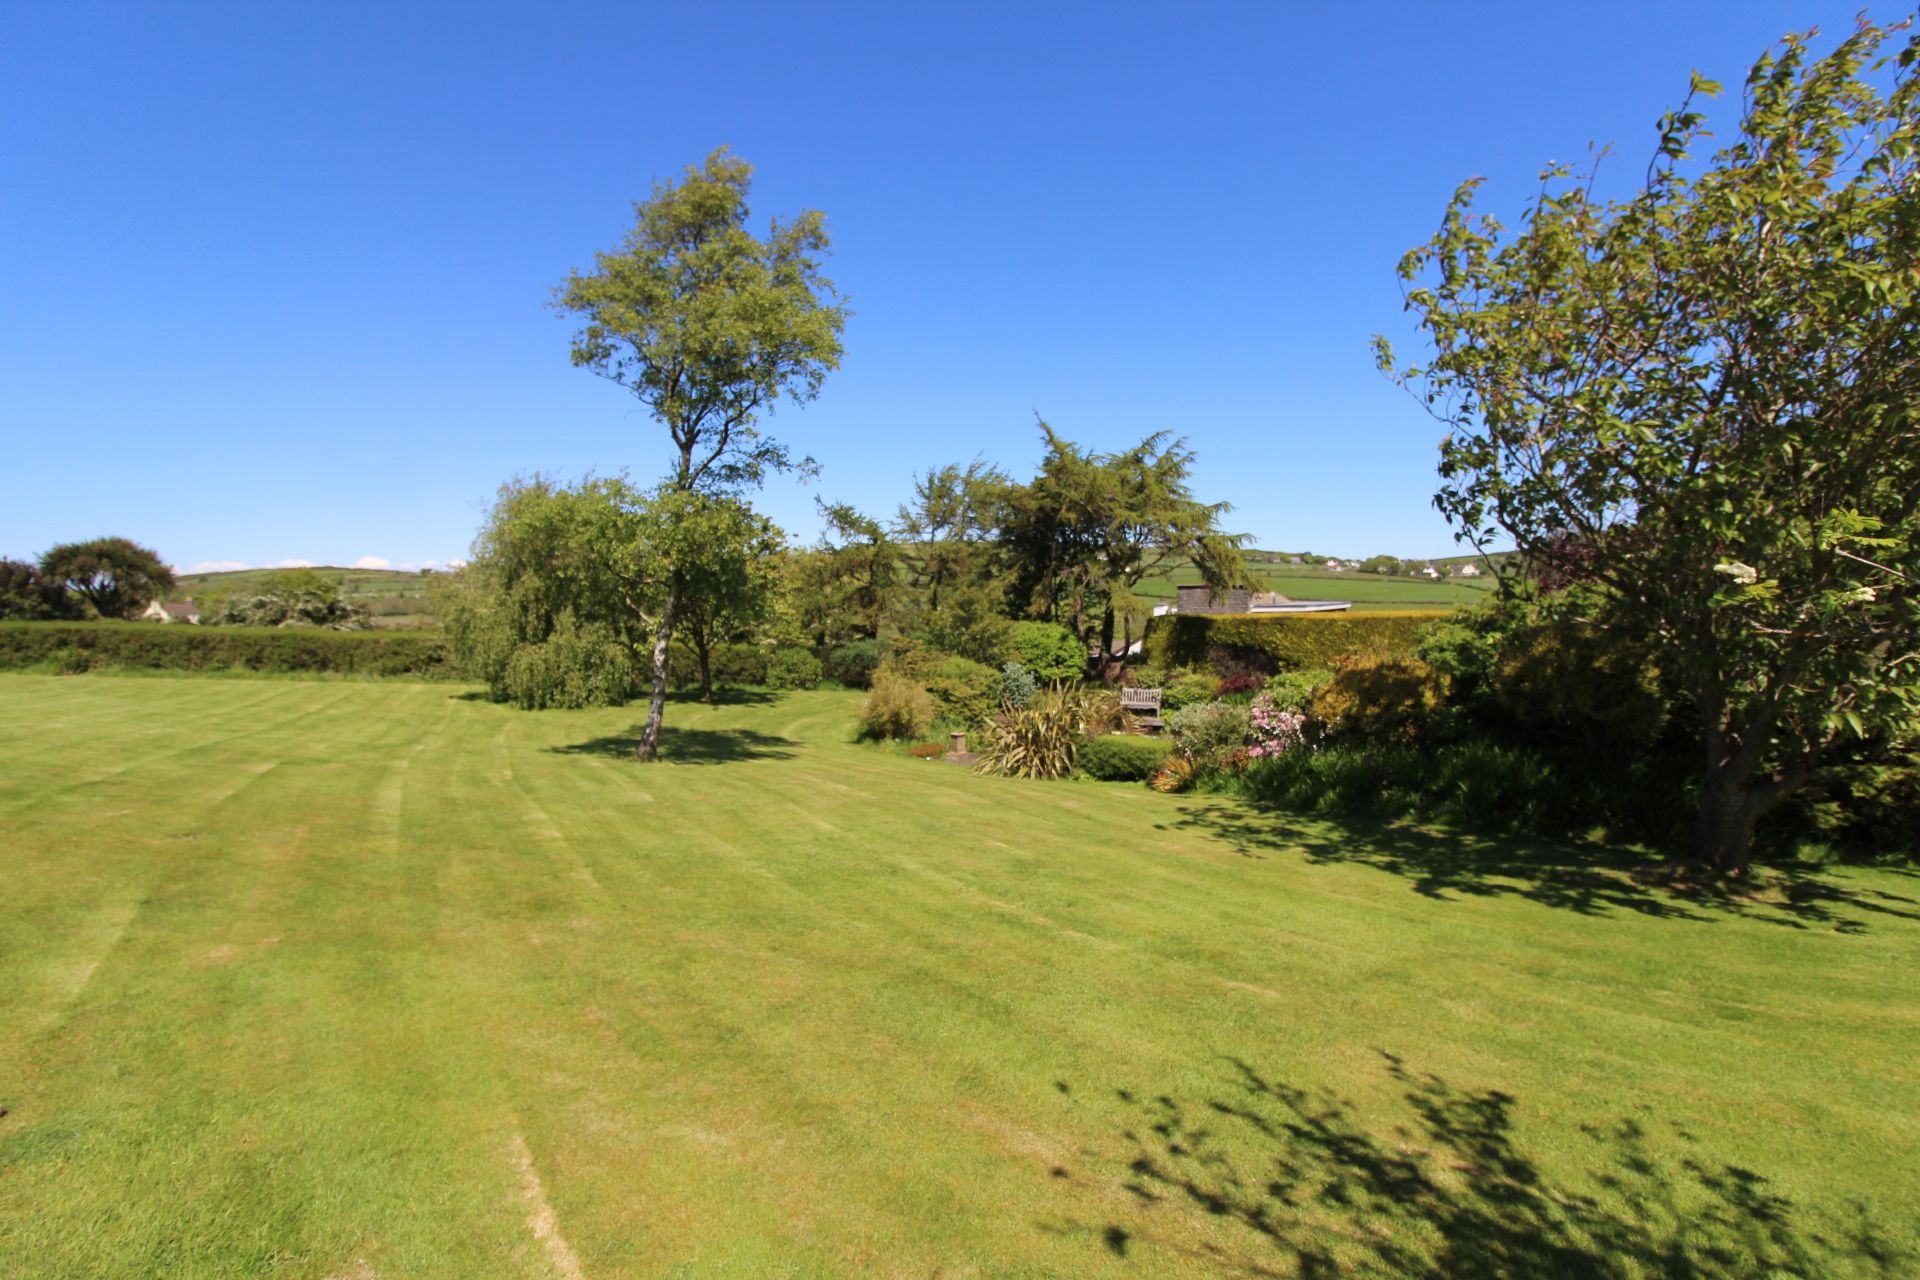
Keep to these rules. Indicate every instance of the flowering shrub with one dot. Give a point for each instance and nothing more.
(1273, 731)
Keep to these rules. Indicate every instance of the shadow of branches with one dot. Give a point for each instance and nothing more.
(679, 745)
(1587, 879)
(1289, 1183)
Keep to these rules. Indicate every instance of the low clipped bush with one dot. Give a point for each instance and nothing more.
(152, 646)
(1049, 650)
(1122, 757)
(853, 663)
(793, 669)
(896, 707)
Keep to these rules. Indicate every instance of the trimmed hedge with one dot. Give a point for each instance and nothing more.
(80, 646)
(1122, 757)
(1290, 642)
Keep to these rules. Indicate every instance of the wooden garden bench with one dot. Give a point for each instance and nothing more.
(1144, 704)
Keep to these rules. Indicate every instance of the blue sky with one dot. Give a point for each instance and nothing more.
(276, 274)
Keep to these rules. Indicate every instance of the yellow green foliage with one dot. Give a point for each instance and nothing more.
(1293, 642)
(1379, 698)
(896, 707)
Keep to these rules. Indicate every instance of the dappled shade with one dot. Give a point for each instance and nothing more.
(1289, 1181)
(1591, 880)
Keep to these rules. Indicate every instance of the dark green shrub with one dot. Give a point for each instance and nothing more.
(1049, 650)
(1122, 757)
(1480, 785)
(579, 665)
(792, 669)
(180, 647)
(896, 707)
(24, 594)
(853, 664)
(734, 666)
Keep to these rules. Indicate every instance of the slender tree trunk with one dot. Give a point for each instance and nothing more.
(649, 748)
(703, 650)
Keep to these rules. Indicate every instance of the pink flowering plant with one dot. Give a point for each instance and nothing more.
(1275, 732)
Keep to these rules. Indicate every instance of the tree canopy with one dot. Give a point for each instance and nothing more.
(1091, 526)
(1696, 404)
(119, 578)
(709, 326)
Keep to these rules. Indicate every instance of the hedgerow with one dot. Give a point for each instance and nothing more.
(153, 646)
(1284, 642)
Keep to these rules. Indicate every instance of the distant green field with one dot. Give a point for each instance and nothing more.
(393, 598)
(355, 584)
(1366, 590)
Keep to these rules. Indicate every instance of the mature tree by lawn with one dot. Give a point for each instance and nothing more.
(708, 326)
(1090, 527)
(117, 577)
(1700, 401)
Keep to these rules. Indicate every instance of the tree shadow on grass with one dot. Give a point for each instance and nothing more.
(679, 745)
(1590, 880)
(1266, 1179)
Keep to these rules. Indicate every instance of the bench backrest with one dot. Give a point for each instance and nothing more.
(1140, 699)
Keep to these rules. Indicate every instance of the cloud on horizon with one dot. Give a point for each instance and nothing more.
(372, 562)
(211, 566)
(293, 564)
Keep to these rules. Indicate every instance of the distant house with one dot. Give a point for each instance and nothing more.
(171, 611)
(1429, 572)
(1200, 599)
(1334, 566)
(1468, 570)
(1293, 560)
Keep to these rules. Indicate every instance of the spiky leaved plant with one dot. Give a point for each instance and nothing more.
(1040, 739)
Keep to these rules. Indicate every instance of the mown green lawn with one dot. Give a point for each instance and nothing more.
(378, 980)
